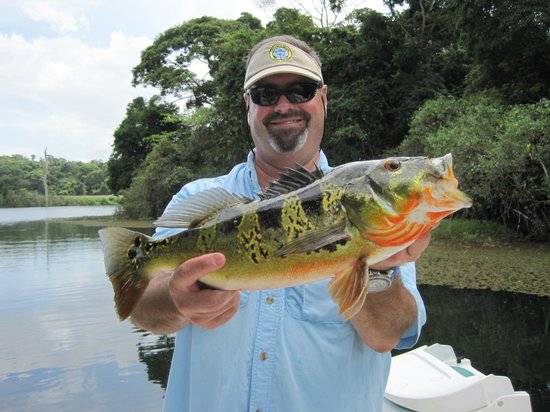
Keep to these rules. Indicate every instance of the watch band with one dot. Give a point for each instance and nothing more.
(380, 280)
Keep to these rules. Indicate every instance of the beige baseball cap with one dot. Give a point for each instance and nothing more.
(280, 57)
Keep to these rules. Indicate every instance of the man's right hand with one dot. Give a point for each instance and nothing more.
(174, 299)
(206, 308)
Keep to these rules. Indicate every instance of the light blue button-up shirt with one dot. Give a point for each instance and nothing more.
(285, 350)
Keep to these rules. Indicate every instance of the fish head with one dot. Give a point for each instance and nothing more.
(400, 198)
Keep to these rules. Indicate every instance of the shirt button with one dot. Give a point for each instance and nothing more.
(269, 300)
(263, 356)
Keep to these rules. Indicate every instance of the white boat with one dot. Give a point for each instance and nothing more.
(433, 379)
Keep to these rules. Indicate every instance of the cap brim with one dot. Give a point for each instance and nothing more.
(282, 69)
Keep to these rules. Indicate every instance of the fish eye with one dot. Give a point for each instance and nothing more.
(392, 165)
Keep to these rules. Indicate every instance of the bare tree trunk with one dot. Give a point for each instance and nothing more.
(45, 176)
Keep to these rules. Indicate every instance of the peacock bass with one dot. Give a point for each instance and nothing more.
(307, 226)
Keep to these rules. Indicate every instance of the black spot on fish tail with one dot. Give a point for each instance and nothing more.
(134, 252)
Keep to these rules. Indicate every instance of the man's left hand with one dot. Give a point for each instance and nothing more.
(409, 254)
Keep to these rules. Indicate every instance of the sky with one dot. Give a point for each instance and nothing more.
(65, 66)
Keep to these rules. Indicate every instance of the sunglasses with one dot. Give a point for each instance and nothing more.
(295, 93)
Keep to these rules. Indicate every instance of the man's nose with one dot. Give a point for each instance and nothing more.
(283, 104)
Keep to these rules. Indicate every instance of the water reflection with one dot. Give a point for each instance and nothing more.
(156, 352)
(61, 343)
(500, 332)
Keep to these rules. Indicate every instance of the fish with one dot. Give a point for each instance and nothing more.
(306, 226)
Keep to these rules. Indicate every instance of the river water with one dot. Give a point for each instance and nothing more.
(62, 348)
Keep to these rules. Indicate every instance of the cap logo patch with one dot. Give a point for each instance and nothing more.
(280, 53)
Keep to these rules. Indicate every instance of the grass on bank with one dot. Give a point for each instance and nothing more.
(473, 231)
(475, 254)
(96, 200)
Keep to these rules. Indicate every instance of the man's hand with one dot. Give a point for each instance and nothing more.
(411, 254)
(174, 299)
(206, 308)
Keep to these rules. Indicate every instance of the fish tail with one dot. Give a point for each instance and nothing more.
(349, 290)
(128, 283)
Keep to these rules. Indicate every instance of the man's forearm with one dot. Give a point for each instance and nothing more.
(156, 311)
(385, 316)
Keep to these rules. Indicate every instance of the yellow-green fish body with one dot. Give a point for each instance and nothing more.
(307, 227)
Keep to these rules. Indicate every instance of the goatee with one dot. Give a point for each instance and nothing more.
(287, 140)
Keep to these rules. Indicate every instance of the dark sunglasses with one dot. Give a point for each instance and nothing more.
(295, 93)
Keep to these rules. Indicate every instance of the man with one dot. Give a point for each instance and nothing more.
(284, 349)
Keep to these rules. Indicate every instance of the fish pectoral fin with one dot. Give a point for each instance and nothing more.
(349, 290)
(315, 240)
(199, 208)
(128, 285)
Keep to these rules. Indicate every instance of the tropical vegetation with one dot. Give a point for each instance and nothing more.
(70, 183)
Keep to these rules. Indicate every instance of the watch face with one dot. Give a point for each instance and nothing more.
(378, 284)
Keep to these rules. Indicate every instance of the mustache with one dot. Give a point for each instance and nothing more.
(278, 116)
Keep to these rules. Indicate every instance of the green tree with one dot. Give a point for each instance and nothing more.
(380, 70)
(21, 179)
(509, 42)
(173, 162)
(166, 63)
(132, 140)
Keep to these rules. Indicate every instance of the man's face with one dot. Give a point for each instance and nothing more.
(286, 127)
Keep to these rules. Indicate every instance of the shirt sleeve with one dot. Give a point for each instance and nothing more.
(412, 334)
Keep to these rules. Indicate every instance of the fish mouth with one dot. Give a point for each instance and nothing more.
(444, 193)
(443, 199)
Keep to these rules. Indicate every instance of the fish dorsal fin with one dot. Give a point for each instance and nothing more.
(292, 179)
(199, 208)
(315, 240)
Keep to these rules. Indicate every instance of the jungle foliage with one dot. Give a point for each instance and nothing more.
(21, 179)
(380, 70)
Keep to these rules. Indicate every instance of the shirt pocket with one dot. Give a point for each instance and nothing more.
(312, 303)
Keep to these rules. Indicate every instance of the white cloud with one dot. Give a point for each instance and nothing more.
(58, 19)
(65, 94)
(61, 16)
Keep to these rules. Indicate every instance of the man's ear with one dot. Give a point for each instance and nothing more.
(324, 98)
(246, 99)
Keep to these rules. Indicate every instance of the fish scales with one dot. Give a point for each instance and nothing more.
(335, 226)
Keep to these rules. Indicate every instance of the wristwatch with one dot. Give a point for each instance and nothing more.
(380, 280)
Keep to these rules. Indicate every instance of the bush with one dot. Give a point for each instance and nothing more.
(502, 156)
